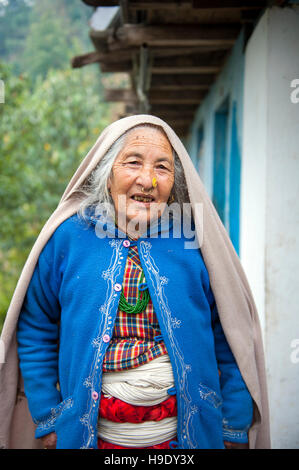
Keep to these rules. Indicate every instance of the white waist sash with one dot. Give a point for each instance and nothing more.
(145, 385)
(144, 434)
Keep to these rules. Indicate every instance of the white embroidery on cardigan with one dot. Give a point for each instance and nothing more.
(186, 418)
(175, 323)
(209, 395)
(110, 276)
(230, 433)
(96, 342)
(163, 280)
(87, 382)
(49, 422)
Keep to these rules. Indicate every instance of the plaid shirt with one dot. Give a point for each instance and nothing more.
(136, 337)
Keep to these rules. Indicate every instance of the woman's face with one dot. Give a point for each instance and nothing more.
(142, 175)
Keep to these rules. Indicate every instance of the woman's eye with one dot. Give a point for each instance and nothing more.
(133, 162)
(162, 167)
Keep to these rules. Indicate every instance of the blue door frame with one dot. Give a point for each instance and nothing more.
(220, 160)
(226, 197)
(234, 184)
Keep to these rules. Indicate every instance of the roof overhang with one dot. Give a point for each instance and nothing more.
(172, 51)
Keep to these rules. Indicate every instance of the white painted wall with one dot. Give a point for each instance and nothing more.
(270, 207)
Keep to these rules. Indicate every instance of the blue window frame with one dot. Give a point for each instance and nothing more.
(234, 183)
(227, 170)
(220, 159)
(199, 149)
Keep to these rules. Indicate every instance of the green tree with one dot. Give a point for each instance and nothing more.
(37, 35)
(14, 24)
(48, 43)
(48, 127)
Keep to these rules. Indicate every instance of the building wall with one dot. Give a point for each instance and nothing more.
(212, 130)
(229, 85)
(258, 81)
(270, 207)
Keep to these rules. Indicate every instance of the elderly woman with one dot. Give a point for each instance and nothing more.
(120, 340)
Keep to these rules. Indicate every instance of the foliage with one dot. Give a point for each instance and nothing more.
(48, 126)
(37, 35)
(14, 24)
(52, 115)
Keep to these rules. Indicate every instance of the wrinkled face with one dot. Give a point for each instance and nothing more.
(142, 175)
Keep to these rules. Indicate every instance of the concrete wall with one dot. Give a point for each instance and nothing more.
(270, 207)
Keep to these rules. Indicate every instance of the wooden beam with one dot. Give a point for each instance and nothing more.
(121, 67)
(186, 70)
(174, 113)
(172, 118)
(86, 59)
(178, 121)
(174, 35)
(207, 63)
(119, 61)
(181, 130)
(181, 81)
(120, 95)
(228, 4)
(185, 4)
(143, 4)
(173, 97)
(102, 3)
(156, 96)
(124, 8)
(249, 16)
(197, 64)
(119, 51)
(172, 109)
(162, 5)
(214, 58)
(197, 4)
(123, 55)
(98, 56)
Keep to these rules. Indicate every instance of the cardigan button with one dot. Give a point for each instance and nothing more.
(171, 391)
(117, 287)
(126, 243)
(158, 338)
(95, 395)
(106, 338)
(173, 444)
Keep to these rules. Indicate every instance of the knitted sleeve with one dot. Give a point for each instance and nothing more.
(37, 336)
(237, 406)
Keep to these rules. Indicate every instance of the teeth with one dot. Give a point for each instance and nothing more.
(142, 199)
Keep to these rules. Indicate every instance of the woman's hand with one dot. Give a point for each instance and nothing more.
(49, 441)
(235, 445)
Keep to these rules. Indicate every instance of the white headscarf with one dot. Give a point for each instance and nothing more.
(232, 293)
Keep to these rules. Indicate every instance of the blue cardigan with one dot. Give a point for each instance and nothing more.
(73, 299)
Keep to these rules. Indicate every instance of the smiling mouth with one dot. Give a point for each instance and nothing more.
(144, 199)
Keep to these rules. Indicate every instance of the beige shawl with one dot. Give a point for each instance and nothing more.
(233, 296)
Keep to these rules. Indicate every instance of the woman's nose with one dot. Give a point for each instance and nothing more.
(145, 177)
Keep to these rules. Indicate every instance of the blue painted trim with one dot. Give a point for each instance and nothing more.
(220, 160)
(234, 183)
(230, 83)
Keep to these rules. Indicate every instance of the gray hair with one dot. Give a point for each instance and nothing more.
(95, 190)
